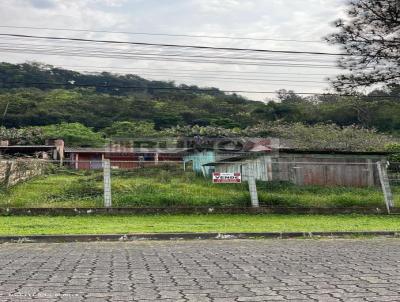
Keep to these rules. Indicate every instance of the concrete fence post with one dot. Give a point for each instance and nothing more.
(252, 188)
(384, 180)
(8, 173)
(107, 183)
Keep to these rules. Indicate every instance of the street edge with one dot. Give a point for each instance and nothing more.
(191, 236)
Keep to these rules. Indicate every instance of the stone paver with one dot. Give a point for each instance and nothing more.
(217, 271)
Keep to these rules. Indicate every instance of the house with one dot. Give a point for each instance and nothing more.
(121, 157)
(304, 167)
(225, 148)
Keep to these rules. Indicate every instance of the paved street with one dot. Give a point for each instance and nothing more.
(243, 270)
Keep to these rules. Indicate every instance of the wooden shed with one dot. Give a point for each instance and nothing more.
(327, 168)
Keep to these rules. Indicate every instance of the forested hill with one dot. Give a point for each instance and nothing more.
(36, 97)
(48, 77)
(36, 94)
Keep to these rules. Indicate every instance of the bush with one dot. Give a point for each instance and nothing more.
(394, 148)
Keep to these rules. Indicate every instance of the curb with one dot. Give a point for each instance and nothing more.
(190, 236)
(194, 210)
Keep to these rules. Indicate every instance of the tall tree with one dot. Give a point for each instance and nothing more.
(370, 38)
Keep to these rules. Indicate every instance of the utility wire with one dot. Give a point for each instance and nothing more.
(195, 75)
(162, 59)
(191, 76)
(160, 34)
(141, 53)
(192, 70)
(184, 46)
(73, 48)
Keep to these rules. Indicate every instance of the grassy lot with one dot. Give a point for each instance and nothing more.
(169, 186)
(24, 225)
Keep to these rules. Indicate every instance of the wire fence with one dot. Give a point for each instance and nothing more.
(32, 183)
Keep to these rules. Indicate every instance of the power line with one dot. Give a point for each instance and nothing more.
(115, 52)
(162, 59)
(175, 70)
(234, 78)
(194, 70)
(41, 47)
(190, 89)
(160, 34)
(192, 75)
(161, 51)
(173, 45)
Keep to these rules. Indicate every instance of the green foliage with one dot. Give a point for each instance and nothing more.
(299, 135)
(210, 131)
(131, 129)
(30, 104)
(394, 148)
(323, 136)
(23, 136)
(319, 122)
(74, 134)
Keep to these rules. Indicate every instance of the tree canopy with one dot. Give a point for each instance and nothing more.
(85, 116)
(370, 38)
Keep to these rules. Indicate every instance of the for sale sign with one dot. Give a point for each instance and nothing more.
(227, 178)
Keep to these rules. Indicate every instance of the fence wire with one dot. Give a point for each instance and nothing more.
(177, 183)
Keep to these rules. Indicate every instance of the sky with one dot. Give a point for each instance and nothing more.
(264, 21)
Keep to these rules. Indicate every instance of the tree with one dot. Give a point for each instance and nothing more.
(370, 39)
(322, 136)
(22, 136)
(74, 134)
(132, 129)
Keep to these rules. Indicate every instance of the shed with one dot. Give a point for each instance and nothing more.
(301, 167)
(202, 156)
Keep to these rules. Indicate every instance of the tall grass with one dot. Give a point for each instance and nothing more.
(167, 186)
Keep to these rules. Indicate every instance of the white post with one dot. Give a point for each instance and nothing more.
(252, 188)
(107, 183)
(384, 179)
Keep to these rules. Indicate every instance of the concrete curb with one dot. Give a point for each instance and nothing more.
(193, 210)
(189, 236)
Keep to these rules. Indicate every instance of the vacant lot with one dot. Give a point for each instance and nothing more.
(170, 186)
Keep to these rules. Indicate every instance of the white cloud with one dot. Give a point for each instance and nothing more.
(280, 19)
(223, 6)
(43, 4)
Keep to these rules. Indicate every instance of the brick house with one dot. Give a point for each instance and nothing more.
(121, 157)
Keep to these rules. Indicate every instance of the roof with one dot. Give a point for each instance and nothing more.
(125, 150)
(229, 160)
(292, 151)
(299, 151)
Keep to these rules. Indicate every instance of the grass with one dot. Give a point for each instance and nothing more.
(38, 225)
(169, 186)
(290, 195)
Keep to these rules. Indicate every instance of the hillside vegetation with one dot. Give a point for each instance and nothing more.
(40, 101)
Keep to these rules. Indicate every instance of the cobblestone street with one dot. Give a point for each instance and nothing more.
(242, 270)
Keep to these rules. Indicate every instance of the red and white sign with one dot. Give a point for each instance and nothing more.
(226, 178)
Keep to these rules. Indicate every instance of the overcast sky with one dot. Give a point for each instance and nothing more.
(304, 20)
